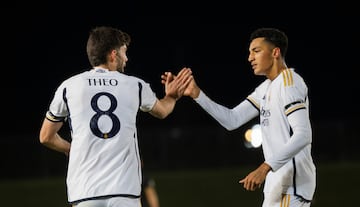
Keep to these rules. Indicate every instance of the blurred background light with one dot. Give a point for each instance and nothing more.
(253, 137)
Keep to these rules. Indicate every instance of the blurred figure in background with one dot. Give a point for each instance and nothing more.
(149, 195)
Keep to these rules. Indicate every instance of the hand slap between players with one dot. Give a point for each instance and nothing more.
(192, 89)
(176, 85)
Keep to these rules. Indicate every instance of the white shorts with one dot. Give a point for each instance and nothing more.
(110, 202)
(286, 200)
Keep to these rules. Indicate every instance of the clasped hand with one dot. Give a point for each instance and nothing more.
(175, 85)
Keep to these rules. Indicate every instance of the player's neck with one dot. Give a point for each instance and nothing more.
(106, 66)
(276, 70)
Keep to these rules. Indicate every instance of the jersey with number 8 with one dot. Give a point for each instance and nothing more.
(101, 107)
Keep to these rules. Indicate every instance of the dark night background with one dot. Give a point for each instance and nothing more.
(47, 44)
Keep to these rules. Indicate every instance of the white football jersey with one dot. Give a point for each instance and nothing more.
(101, 107)
(276, 100)
(283, 107)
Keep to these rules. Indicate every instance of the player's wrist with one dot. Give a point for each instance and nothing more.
(195, 93)
(172, 97)
(265, 167)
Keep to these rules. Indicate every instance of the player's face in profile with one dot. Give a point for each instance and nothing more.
(260, 56)
(121, 59)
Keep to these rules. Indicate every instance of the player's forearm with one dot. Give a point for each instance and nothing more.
(228, 118)
(163, 107)
(57, 143)
(51, 139)
(194, 92)
(300, 139)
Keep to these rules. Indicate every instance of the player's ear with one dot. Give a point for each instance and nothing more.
(276, 52)
(112, 55)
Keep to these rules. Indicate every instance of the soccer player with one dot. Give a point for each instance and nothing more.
(282, 103)
(101, 106)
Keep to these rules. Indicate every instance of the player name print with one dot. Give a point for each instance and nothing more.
(102, 82)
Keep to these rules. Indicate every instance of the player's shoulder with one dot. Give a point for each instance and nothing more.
(290, 78)
(72, 79)
(263, 85)
(137, 79)
(127, 77)
(88, 74)
(292, 85)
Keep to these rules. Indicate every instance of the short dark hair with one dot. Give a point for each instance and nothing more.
(103, 40)
(274, 36)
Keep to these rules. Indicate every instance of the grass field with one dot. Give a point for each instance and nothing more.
(337, 186)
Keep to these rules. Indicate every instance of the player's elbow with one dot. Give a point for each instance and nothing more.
(159, 114)
(44, 138)
(308, 138)
(229, 127)
(306, 135)
(230, 122)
